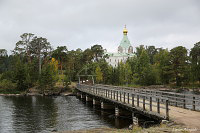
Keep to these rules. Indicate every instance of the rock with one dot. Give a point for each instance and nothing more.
(164, 121)
(130, 127)
(54, 130)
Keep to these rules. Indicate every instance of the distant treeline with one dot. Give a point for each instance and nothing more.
(34, 62)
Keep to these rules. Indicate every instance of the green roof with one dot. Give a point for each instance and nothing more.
(125, 43)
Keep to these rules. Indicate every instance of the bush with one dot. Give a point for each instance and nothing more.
(7, 84)
(8, 87)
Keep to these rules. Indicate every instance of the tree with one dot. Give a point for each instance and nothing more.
(128, 73)
(87, 56)
(139, 50)
(54, 68)
(162, 63)
(144, 73)
(105, 69)
(151, 50)
(47, 77)
(195, 61)
(97, 52)
(3, 60)
(99, 74)
(178, 59)
(60, 55)
(3, 53)
(20, 75)
(23, 47)
(41, 48)
(142, 66)
(121, 69)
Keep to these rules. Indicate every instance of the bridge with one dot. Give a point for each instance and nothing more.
(154, 104)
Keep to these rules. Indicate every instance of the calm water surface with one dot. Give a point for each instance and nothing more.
(44, 114)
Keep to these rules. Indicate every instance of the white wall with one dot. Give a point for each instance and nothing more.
(114, 60)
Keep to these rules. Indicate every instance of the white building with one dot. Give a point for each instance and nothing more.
(125, 50)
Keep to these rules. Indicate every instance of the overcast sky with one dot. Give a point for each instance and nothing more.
(83, 23)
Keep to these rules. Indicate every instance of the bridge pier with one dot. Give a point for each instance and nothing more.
(96, 102)
(88, 99)
(117, 111)
(78, 94)
(105, 105)
(121, 112)
(82, 96)
(135, 119)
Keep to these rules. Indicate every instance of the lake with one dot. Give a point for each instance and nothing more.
(45, 114)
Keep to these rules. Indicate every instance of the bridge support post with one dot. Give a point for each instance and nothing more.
(78, 94)
(135, 119)
(121, 112)
(88, 99)
(82, 96)
(117, 113)
(96, 102)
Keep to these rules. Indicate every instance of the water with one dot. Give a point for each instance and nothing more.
(45, 114)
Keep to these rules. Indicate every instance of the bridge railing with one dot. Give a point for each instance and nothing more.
(140, 101)
(187, 101)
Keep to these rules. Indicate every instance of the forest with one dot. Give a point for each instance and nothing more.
(34, 62)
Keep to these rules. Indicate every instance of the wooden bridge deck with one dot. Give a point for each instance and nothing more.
(150, 102)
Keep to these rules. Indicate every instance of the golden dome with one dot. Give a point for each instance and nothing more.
(125, 31)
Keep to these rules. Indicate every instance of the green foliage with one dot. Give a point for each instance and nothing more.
(7, 84)
(151, 50)
(178, 59)
(20, 75)
(60, 55)
(67, 78)
(99, 74)
(195, 62)
(33, 71)
(163, 66)
(3, 60)
(47, 78)
(106, 70)
(3, 53)
(97, 51)
(143, 69)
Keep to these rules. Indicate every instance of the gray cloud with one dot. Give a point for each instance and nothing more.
(82, 23)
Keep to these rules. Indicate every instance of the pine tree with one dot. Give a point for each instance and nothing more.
(178, 59)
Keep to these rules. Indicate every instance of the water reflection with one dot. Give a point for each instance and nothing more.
(43, 114)
(33, 113)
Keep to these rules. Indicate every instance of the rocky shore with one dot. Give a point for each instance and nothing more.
(57, 91)
(11, 94)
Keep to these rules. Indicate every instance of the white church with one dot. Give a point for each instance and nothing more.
(125, 51)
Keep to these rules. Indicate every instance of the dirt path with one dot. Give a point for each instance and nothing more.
(189, 118)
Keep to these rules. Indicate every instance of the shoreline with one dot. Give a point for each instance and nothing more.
(162, 128)
(37, 94)
(11, 94)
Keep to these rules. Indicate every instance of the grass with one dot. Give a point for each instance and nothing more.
(133, 85)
